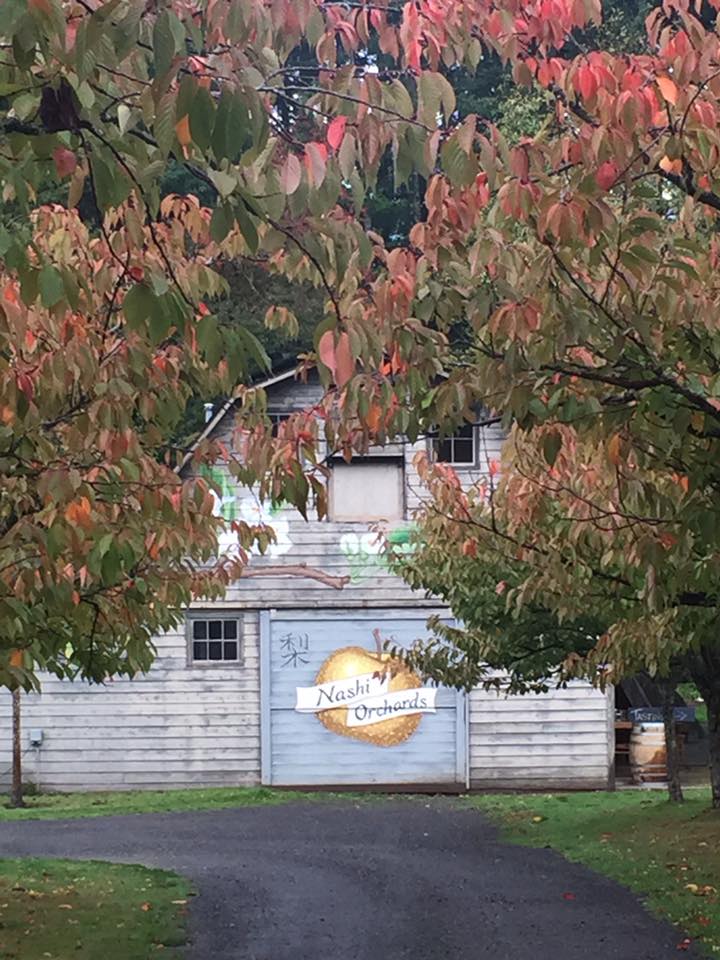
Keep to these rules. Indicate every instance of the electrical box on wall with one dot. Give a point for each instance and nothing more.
(36, 738)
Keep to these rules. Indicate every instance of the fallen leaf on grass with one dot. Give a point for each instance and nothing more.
(703, 921)
(65, 906)
(145, 907)
(538, 819)
(179, 901)
(700, 889)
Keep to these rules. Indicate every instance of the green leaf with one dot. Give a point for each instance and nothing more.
(111, 185)
(254, 347)
(164, 125)
(220, 133)
(52, 289)
(168, 37)
(459, 167)
(139, 305)
(202, 111)
(551, 444)
(209, 339)
(222, 222)
(239, 136)
(224, 182)
(247, 227)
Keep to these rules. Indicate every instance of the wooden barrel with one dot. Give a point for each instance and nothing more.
(648, 757)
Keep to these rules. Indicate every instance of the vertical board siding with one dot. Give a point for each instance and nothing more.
(179, 725)
(302, 752)
(556, 739)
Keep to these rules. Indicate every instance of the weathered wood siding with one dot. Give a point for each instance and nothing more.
(179, 725)
(558, 739)
(186, 724)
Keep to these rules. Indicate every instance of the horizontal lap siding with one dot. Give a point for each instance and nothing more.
(177, 726)
(555, 740)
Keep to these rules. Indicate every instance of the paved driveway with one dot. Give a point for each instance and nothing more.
(373, 881)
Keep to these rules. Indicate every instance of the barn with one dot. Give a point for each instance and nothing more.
(278, 683)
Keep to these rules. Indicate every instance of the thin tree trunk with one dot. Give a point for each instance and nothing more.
(16, 794)
(675, 792)
(712, 699)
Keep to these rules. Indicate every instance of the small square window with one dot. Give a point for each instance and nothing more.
(215, 641)
(458, 448)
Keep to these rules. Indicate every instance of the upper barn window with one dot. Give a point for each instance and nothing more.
(458, 448)
(366, 489)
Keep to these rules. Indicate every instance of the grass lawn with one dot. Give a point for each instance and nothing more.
(53, 806)
(668, 854)
(89, 911)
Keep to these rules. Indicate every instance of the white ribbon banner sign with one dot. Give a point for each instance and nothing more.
(367, 699)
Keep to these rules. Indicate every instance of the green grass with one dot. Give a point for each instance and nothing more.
(87, 910)
(668, 854)
(54, 806)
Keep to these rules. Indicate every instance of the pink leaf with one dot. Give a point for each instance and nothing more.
(326, 350)
(65, 161)
(315, 162)
(291, 174)
(344, 360)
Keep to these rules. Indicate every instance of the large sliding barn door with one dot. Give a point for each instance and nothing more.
(332, 715)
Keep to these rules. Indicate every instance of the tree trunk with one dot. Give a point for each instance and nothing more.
(712, 699)
(675, 792)
(705, 670)
(16, 794)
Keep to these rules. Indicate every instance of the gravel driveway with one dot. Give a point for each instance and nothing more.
(386, 880)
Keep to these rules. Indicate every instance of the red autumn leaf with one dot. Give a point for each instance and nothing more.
(137, 273)
(587, 82)
(606, 175)
(568, 896)
(65, 161)
(336, 132)
(685, 944)
(25, 383)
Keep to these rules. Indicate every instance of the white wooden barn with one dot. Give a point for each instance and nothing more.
(247, 692)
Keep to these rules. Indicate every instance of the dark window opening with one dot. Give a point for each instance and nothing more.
(459, 447)
(215, 640)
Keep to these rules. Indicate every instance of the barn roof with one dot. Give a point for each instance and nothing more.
(226, 407)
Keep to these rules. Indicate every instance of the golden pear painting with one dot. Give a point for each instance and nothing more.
(367, 695)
